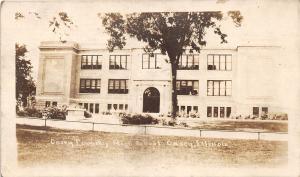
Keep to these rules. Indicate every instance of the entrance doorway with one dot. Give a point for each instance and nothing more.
(151, 100)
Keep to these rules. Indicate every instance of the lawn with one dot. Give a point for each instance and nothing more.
(37, 146)
(243, 126)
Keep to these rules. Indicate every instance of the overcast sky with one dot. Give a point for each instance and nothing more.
(265, 22)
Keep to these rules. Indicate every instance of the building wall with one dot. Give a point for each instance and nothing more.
(252, 84)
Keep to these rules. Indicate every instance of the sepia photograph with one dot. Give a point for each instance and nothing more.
(150, 88)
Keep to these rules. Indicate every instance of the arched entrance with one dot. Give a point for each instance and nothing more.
(151, 100)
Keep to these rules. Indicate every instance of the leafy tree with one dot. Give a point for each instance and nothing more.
(60, 24)
(24, 83)
(173, 33)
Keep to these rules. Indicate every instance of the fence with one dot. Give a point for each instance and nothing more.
(152, 130)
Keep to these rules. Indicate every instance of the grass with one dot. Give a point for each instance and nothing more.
(243, 126)
(37, 146)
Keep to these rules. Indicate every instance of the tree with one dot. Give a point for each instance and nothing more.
(173, 33)
(25, 85)
(60, 24)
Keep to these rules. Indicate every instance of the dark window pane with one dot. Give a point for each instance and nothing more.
(228, 111)
(54, 103)
(256, 111)
(96, 108)
(216, 111)
(209, 111)
(195, 109)
(126, 106)
(47, 104)
(109, 107)
(115, 106)
(188, 109)
(182, 108)
(91, 108)
(264, 110)
(86, 105)
(121, 106)
(222, 111)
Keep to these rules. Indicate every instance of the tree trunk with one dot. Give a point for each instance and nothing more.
(174, 91)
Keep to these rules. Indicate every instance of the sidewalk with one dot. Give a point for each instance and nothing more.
(152, 129)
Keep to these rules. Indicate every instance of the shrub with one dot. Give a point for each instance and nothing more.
(264, 117)
(169, 114)
(164, 122)
(121, 114)
(183, 124)
(194, 115)
(138, 119)
(33, 112)
(54, 113)
(22, 113)
(282, 116)
(87, 114)
(278, 116)
(172, 123)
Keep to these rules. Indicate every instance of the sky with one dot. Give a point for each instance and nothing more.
(265, 22)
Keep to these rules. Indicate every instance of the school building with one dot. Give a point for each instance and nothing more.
(213, 83)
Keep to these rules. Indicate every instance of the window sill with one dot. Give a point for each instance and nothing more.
(151, 68)
(187, 95)
(88, 93)
(219, 95)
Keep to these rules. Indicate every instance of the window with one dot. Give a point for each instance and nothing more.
(189, 62)
(121, 106)
(86, 106)
(222, 112)
(188, 109)
(256, 111)
(115, 106)
(222, 62)
(264, 110)
(182, 108)
(109, 107)
(90, 86)
(118, 86)
(54, 103)
(195, 108)
(228, 111)
(91, 108)
(126, 106)
(218, 88)
(118, 61)
(47, 104)
(96, 108)
(151, 61)
(187, 87)
(91, 62)
(209, 111)
(216, 111)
